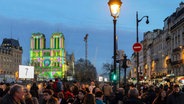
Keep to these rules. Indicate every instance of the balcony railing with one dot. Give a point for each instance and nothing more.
(168, 38)
(177, 62)
(178, 49)
(168, 61)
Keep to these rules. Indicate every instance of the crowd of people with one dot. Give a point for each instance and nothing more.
(59, 92)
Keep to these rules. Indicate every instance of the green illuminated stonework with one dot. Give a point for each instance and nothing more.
(48, 62)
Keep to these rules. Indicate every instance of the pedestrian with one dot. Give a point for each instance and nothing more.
(34, 89)
(34, 97)
(1, 91)
(91, 87)
(57, 86)
(161, 98)
(49, 85)
(15, 95)
(27, 97)
(6, 87)
(107, 91)
(89, 99)
(80, 97)
(120, 96)
(99, 97)
(67, 92)
(75, 89)
(61, 98)
(133, 94)
(176, 97)
(149, 95)
(48, 97)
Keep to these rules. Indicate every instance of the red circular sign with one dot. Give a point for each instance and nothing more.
(137, 47)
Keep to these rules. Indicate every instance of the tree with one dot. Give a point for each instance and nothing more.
(70, 62)
(85, 74)
(109, 71)
(108, 67)
(27, 62)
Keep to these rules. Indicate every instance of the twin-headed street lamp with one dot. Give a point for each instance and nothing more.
(137, 40)
(114, 6)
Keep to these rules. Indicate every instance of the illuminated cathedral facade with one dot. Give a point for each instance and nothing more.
(48, 62)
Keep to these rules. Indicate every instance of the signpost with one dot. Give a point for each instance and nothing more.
(137, 47)
(26, 71)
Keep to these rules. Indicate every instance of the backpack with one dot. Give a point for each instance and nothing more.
(75, 90)
(58, 86)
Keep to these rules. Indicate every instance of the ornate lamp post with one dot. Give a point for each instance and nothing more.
(137, 40)
(114, 6)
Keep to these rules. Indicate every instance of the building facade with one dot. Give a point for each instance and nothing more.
(163, 49)
(10, 59)
(175, 26)
(48, 62)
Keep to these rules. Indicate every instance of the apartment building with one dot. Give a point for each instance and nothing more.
(10, 59)
(163, 49)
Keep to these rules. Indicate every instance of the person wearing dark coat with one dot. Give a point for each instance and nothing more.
(99, 97)
(15, 95)
(48, 97)
(161, 98)
(150, 95)
(80, 97)
(1, 92)
(133, 97)
(34, 89)
(176, 97)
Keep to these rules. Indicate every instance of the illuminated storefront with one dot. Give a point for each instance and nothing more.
(48, 62)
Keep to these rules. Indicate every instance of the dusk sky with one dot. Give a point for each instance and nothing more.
(76, 18)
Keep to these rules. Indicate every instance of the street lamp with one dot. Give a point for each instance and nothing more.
(124, 66)
(137, 40)
(114, 6)
(86, 47)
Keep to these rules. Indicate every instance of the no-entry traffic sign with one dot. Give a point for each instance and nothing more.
(137, 47)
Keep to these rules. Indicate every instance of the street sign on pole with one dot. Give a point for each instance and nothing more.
(137, 47)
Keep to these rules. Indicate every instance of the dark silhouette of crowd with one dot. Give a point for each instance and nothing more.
(63, 92)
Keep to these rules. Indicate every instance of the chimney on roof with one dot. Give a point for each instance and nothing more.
(181, 5)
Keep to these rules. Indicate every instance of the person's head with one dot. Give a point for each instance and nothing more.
(34, 84)
(133, 92)
(81, 94)
(33, 93)
(92, 83)
(96, 90)
(75, 83)
(27, 96)
(61, 95)
(176, 88)
(83, 86)
(70, 100)
(163, 93)
(56, 80)
(89, 99)
(47, 94)
(152, 88)
(121, 90)
(87, 90)
(99, 94)
(17, 92)
(26, 91)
